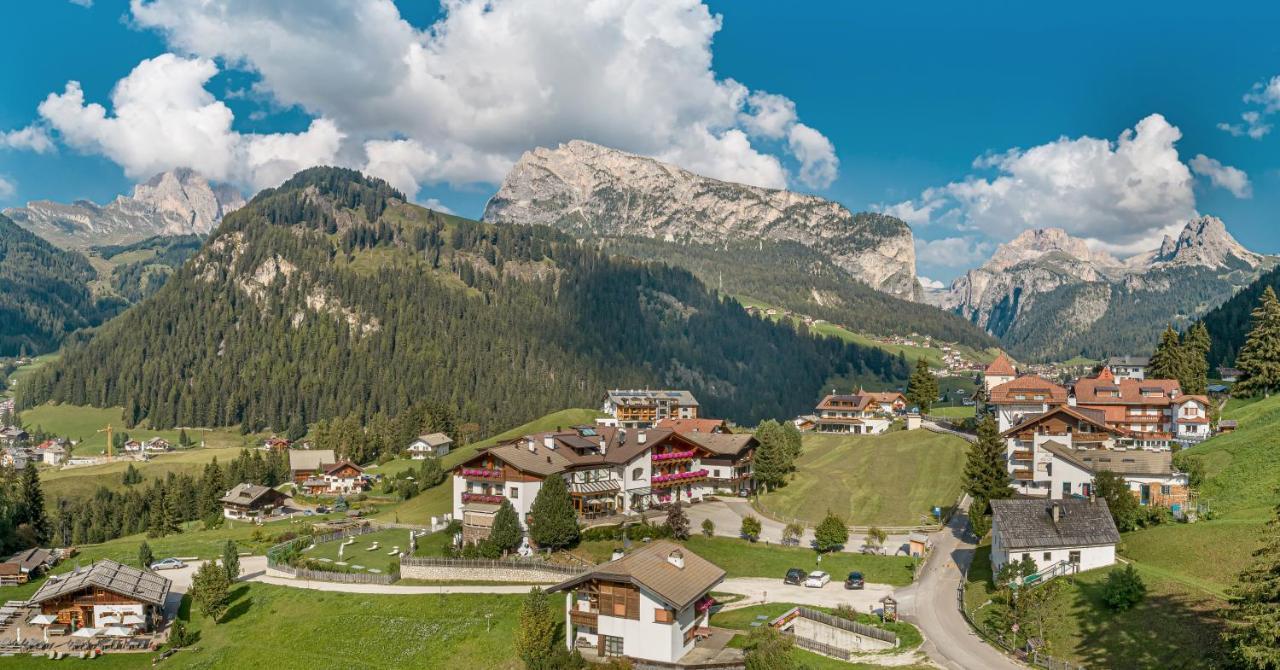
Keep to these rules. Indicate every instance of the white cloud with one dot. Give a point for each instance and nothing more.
(460, 101)
(7, 187)
(953, 252)
(1118, 194)
(32, 138)
(930, 284)
(1266, 94)
(432, 203)
(82, 3)
(909, 211)
(162, 117)
(1223, 176)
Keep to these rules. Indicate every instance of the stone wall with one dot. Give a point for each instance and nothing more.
(836, 637)
(456, 574)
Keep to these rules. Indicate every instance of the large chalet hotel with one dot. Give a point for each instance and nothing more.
(610, 470)
(1058, 438)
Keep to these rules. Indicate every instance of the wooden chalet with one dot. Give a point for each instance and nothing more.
(106, 593)
(247, 501)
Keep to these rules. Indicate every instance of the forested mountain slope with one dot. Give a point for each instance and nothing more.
(44, 293)
(141, 268)
(330, 296)
(803, 280)
(1229, 323)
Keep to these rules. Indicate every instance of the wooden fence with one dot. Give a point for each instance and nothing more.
(507, 564)
(340, 577)
(841, 623)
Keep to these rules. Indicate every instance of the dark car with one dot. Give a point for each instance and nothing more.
(854, 581)
(794, 576)
(322, 510)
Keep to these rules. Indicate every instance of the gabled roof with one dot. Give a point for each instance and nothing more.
(435, 439)
(1001, 367)
(249, 494)
(1031, 386)
(645, 397)
(310, 459)
(1094, 418)
(31, 559)
(340, 465)
(109, 575)
(1125, 462)
(1089, 391)
(686, 426)
(1027, 523)
(724, 444)
(579, 446)
(649, 568)
(884, 396)
(1129, 361)
(844, 402)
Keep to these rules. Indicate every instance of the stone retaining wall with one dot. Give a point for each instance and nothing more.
(457, 574)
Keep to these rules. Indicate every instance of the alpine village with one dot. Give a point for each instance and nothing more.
(640, 406)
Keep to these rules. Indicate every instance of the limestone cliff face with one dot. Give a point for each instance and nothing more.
(592, 190)
(178, 202)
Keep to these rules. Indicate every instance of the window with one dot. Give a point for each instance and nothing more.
(515, 493)
(612, 645)
(1026, 556)
(1066, 488)
(716, 473)
(1165, 489)
(662, 615)
(637, 474)
(1048, 556)
(1073, 557)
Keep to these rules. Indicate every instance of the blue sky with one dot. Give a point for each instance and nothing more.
(892, 103)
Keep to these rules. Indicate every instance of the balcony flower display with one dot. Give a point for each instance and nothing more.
(481, 472)
(675, 455)
(482, 498)
(679, 476)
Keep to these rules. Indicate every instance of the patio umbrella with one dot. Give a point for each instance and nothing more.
(85, 632)
(43, 619)
(131, 620)
(117, 631)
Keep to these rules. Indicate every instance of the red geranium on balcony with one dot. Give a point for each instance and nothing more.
(482, 498)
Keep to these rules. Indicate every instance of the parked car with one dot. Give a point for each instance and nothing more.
(817, 579)
(854, 581)
(168, 564)
(322, 510)
(794, 576)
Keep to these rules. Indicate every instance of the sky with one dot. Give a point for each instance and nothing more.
(971, 121)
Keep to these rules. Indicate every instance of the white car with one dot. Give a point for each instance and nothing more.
(168, 564)
(817, 579)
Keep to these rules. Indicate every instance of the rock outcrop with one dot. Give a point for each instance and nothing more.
(178, 202)
(590, 190)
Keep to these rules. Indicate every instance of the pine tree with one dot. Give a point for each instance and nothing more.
(183, 439)
(922, 388)
(535, 637)
(1253, 609)
(985, 476)
(553, 523)
(1259, 358)
(678, 522)
(771, 462)
(1167, 361)
(231, 560)
(171, 511)
(1195, 351)
(505, 534)
(33, 511)
(145, 556)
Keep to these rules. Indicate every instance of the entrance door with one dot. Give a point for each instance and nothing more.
(1145, 493)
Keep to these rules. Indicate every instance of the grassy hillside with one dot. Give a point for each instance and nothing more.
(83, 423)
(887, 480)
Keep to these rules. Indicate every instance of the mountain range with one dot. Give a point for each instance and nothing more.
(177, 202)
(1047, 295)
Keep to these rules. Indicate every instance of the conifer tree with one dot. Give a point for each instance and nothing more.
(171, 511)
(1167, 361)
(922, 387)
(1253, 609)
(1195, 352)
(145, 556)
(505, 534)
(678, 522)
(33, 512)
(771, 462)
(231, 560)
(985, 476)
(1259, 358)
(553, 523)
(209, 589)
(536, 637)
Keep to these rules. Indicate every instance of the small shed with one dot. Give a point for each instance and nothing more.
(913, 421)
(918, 544)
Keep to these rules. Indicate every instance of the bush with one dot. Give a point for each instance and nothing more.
(708, 527)
(180, 637)
(751, 528)
(831, 534)
(1123, 589)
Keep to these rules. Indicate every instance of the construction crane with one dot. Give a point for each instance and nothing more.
(110, 443)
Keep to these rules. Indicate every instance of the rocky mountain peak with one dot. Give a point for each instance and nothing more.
(591, 190)
(1204, 241)
(187, 195)
(1033, 244)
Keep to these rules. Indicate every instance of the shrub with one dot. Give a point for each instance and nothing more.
(708, 527)
(1123, 589)
(677, 522)
(751, 528)
(831, 533)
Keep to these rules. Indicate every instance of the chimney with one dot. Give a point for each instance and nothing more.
(604, 446)
(641, 437)
(1055, 510)
(617, 554)
(676, 558)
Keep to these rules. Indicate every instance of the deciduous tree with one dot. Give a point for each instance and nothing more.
(209, 590)
(678, 522)
(831, 533)
(1123, 589)
(750, 528)
(1113, 488)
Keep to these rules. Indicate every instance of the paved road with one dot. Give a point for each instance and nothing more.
(932, 604)
(768, 590)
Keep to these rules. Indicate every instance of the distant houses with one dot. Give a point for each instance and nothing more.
(319, 472)
(645, 408)
(861, 413)
(26, 565)
(251, 501)
(431, 444)
(1129, 367)
(1069, 535)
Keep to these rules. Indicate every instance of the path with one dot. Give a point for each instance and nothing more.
(932, 604)
(939, 428)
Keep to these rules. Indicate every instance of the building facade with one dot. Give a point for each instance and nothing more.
(645, 408)
(106, 593)
(860, 413)
(1075, 533)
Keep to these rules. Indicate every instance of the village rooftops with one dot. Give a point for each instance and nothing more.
(1028, 523)
(1105, 389)
(674, 574)
(1028, 388)
(310, 459)
(435, 439)
(1093, 417)
(247, 494)
(646, 397)
(108, 575)
(723, 444)
(339, 466)
(1001, 367)
(685, 426)
(1137, 462)
(552, 452)
(28, 560)
(1128, 361)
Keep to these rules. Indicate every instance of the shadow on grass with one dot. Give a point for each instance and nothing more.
(239, 604)
(1165, 630)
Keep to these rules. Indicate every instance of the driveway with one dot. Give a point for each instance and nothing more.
(767, 590)
(932, 604)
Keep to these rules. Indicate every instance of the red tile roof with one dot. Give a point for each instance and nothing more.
(692, 425)
(1001, 367)
(1033, 387)
(1098, 390)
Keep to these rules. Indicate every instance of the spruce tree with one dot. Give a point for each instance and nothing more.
(505, 534)
(771, 462)
(209, 590)
(171, 511)
(535, 637)
(1253, 609)
(1195, 351)
(553, 523)
(922, 387)
(678, 522)
(1259, 358)
(986, 477)
(145, 556)
(231, 560)
(33, 512)
(1167, 361)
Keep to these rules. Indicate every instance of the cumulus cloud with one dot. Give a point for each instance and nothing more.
(460, 101)
(1223, 176)
(7, 187)
(163, 117)
(911, 212)
(930, 284)
(32, 138)
(1265, 94)
(953, 252)
(1120, 195)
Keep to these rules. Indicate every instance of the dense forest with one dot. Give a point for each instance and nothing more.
(331, 297)
(1135, 313)
(796, 277)
(44, 293)
(143, 267)
(1229, 323)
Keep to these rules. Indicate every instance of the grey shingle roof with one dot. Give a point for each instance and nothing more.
(1125, 462)
(1028, 523)
(248, 494)
(310, 459)
(109, 575)
(649, 568)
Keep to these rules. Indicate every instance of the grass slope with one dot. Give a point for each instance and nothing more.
(83, 481)
(886, 480)
(83, 423)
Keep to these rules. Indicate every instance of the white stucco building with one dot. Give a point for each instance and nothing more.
(1075, 532)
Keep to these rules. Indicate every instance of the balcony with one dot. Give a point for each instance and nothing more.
(674, 456)
(481, 473)
(579, 618)
(679, 478)
(1023, 475)
(1023, 454)
(482, 498)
